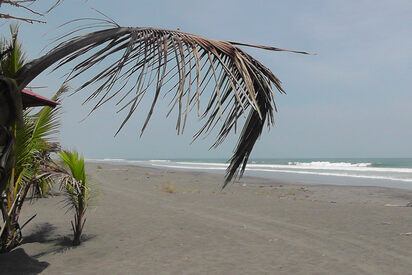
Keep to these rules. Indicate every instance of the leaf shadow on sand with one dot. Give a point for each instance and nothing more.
(18, 262)
(45, 233)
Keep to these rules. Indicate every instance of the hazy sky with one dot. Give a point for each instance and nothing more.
(352, 99)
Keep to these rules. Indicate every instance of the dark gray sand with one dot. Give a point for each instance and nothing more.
(150, 221)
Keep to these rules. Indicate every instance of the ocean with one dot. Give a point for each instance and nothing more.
(384, 172)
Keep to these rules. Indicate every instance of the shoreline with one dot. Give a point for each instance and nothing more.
(290, 178)
(354, 191)
(158, 221)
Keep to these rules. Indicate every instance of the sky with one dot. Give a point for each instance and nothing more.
(351, 99)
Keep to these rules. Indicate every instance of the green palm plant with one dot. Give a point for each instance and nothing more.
(32, 143)
(15, 58)
(35, 141)
(190, 64)
(77, 190)
(31, 171)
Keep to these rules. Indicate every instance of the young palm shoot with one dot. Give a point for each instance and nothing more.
(77, 191)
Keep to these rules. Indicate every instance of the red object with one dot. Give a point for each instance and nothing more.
(31, 99)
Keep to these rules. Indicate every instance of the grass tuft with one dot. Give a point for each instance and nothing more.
(169, 188)
(290, 193)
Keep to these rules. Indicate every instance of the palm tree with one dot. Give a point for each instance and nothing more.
(30, 169)
(11, 61)
(152, 57)
(28, 148)
(77, 190)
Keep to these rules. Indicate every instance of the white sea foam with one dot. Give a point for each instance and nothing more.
(342, 169)
(318, 168)
(360, 167)
(314, 165)
(334, 174)
(348, 167)
(105, 160)
(203, 164)
(114, 160)
(190, 167)
(329, 164)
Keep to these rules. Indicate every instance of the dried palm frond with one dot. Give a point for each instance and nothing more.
(151, 57)
(25, 5)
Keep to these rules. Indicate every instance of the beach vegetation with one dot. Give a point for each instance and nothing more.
(76, 188)
(290, 193)
(31, 173)
(137, 59)
(33, 141)
(169, 188)
(125, 62)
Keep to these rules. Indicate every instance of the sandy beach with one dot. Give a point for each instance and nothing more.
(152, 221)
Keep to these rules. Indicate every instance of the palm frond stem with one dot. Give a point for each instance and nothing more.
(241, 82)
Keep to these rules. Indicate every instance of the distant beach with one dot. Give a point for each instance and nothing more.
(162, 221)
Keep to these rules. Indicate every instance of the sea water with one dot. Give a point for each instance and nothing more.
(386, 172)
